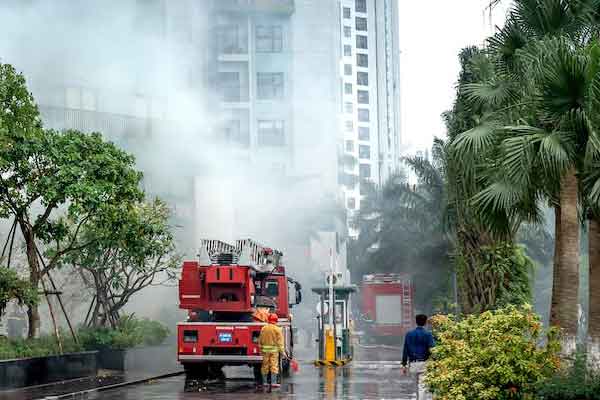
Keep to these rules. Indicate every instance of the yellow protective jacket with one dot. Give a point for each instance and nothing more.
(271, 339)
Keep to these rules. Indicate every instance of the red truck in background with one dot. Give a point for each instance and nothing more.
(387, 308)
(222, 292)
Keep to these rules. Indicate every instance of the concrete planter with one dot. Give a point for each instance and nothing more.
(111, 359)
(41, 370)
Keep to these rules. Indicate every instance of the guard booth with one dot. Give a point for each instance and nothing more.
(335, 337)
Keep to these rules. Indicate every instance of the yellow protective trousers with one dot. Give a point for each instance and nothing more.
(270, 363)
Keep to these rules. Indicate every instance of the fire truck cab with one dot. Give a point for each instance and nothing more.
(222, 291)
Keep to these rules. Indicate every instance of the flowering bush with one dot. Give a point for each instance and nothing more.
(502, 354)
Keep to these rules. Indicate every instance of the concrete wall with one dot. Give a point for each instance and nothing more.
(42, 370)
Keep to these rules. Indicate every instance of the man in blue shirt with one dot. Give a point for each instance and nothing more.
(417, 349)
(417, 343)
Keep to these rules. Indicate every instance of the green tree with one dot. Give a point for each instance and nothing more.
(129, 251)
(54, 183)
(540, 99)
(469, 166)
(14, 288)
(402, 230)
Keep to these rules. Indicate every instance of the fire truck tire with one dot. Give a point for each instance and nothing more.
(256, 370)
(203, 372)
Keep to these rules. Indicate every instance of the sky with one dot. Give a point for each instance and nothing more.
(432, 32)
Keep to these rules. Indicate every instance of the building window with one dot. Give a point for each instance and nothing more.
(364, 171)
(88, 100)
(363, 115)
(271, 133)
(363, 189)
(361, 23)
(361, 6)
(362, 78)
(347, 31)
(229, 40)
(347, 69)
(348, 107)
(347, 88)
(229, 84)
(363, 133)
(364, 152)
(346, 12)
(269, 39)
(270, 85)
(349, 126)
(349, 146)
(351, 203)
(234, 134)
(363, 96)
(347, 50)
(362, 60)
(361, 42)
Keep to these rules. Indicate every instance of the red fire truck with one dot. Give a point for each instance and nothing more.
(387, 307)
(222, 291)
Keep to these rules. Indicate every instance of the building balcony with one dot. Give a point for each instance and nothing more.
(283, 7)
(235, 104)
(233, 57)
(109, 124)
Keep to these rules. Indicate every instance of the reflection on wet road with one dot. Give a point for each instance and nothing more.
(369, 378)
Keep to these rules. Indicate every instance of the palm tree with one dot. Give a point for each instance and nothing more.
(401, 230)
(547, 124)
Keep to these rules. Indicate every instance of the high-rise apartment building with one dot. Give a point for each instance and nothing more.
(370, 87)
(311, 87)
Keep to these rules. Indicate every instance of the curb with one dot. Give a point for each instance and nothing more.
(115, 386)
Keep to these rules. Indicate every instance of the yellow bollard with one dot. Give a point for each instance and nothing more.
(329, 345)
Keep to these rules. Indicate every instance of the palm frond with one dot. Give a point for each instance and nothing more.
(477, 140)
(492, 94)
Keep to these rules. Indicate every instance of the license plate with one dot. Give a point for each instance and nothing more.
(225, 337)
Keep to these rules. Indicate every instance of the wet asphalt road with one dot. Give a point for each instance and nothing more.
(375, 374)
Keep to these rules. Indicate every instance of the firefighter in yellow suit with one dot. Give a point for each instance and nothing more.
(271, 345)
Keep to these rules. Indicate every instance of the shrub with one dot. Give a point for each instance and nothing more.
(495, 355)
(130, 332)
(43, 346)
(579, 382)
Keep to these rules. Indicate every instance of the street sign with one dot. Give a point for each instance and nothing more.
(336, 277)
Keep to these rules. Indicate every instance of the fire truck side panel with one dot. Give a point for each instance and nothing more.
(215, 288)
(380, 300)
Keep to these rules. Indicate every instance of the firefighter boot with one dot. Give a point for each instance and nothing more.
(268, 381)
(276, 382)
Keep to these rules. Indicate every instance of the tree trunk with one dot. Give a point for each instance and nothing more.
(33, 314)
(594, 260)
(566, 285)
(554, 320)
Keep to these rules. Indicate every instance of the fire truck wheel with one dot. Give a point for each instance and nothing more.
(257, 374)
(195, 375)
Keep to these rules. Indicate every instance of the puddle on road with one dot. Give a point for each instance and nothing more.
(359, 380)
